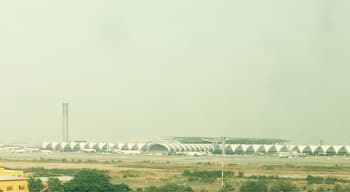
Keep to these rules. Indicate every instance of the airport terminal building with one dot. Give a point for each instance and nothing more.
(200, 146)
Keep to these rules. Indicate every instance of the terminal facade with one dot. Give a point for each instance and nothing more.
(201, 146)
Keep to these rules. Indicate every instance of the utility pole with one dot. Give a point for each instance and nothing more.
(65, 122)
(222, 162)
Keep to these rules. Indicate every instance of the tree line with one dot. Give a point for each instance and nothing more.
(92, 180)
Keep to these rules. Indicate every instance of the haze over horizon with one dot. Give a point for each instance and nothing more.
(148, 69)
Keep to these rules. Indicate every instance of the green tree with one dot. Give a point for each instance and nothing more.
(227, 188)
(35, 185)
(55, 185)
(169, 188)
(121, 188)
(283, 186)
(253, 186)
(339, 188)
(92, 180)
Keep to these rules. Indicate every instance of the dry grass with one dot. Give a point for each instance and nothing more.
(142, 171)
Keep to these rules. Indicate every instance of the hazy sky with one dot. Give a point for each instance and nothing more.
(134, 69)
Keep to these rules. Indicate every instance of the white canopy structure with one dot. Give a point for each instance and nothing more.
(177, 147)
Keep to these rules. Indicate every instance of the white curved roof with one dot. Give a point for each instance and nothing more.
(100, 146)
(192, 147)
(337, 148)
(279, 147)
(256, 147)
(313, 148)
(245, 147)
(347, 147)
(301, 147)
(272, 148)
(262, 149)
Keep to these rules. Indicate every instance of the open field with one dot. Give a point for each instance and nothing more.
(142, 170)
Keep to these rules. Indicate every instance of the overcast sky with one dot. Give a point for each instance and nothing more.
(138, 69)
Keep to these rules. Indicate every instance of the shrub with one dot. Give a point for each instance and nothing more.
(169, 188)
(314, 179)
(283, 185)
(227, 188)
(253, 186)
(240, 174)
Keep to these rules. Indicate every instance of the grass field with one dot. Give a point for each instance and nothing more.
(143, 170)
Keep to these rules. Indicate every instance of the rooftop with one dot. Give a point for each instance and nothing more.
(11, 178)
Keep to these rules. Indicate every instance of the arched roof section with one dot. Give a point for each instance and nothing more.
(343, 150)
(172, 147)
(234, 147)
(102, 146)
(187, 147)
(141, 146)
(245, 147)
(326, 147)
(239, 149)
(178, 147)
(209, 147)
(94, 146)
(262, 149)
(91, 145)
(330, 150)
(272, 149)
(320, 150)
(267, 147)
(229, 150)
(45, 145)
(73, 145)
(82, 145)
(119, 145)
(190, 147)
(313, 148)
(53, 146)
(337, 148)
(181, 147)
(347, 147)
(134, 147)
(250, 149)
(159, 147)
(256, 147)
(62, 146)
(301, 148)
(290, 147)
(110, 146)
(283, 148)
(200, 147)
(194, 148)
(280, 147)
(310, 149)
(203, 147)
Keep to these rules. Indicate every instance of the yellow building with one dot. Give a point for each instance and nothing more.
(16, 173)
(13, 184)
(13, 181)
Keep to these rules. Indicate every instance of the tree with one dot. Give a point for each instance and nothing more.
(284, 186)
(55, 185)
(35, 185)
(227, 188)
(121, 188)
(169, 188)
(338, 188)
(253, 186)
(92, 180)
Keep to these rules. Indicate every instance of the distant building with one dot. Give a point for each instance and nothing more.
(16, 173)
(13, 180)
(201, 146)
